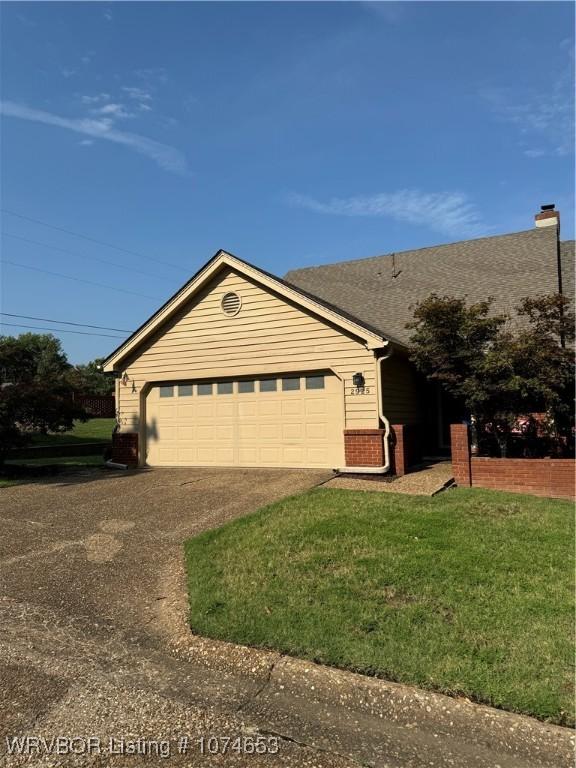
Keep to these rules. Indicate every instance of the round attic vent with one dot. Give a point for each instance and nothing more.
(231, 304)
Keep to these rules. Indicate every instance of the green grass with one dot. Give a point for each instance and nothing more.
(65, 461)
(469, 592)
(5, 482)
(91, 431)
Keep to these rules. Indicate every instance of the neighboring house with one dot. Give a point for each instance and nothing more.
(242, 368)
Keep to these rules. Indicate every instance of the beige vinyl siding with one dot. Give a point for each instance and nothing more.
(269, 335)
(400, 391)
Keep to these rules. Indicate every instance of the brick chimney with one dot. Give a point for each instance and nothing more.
(547, 217)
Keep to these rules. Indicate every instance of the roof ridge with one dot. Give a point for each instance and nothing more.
(417, 250)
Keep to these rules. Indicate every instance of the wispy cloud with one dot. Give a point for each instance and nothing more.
(167, 157)
(117, 111)
(138, 94)
(97, 98)
(545, 115)
(448, 212)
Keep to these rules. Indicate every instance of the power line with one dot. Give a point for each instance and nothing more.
(77, 279)
(84, 256)
(60, 330)
(92, 239)
(64, 322)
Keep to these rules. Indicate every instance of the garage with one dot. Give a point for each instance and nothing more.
(287, 420)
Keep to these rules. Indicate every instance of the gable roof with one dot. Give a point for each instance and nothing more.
(381, 290)
(221, 260)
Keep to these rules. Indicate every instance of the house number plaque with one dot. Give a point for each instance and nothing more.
(360, 390)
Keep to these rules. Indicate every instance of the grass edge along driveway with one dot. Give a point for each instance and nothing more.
(469, 592)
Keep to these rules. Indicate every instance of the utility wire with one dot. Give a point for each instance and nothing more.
(93, 239)
(84, 256)
(77, 279)
(64, 322)
(60, 330)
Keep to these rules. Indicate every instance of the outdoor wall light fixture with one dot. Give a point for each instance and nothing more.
(358, 380)
(124, 378)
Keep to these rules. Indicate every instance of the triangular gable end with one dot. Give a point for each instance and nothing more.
(220, 261)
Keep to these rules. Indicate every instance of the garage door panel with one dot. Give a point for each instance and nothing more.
(290, 428)
(268, 407)
(166, 432)
(225, 410)
(269, 431)
(224, 432)
(293, 456)
(292, 407)
(204, 432)
(315, 456)
(292, 431)
(185, 411)
(248, 455)
(270, 455)
(224, 455)
(167, 455)
(247, 409)
(248, 431)
(187, 455)
(316, 431)
(315, 405)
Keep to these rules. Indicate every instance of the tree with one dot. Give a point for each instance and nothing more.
(31, 356)
(89, 379)
(500, 371)
(35, 395)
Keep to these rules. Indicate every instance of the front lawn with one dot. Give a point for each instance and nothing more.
(468, 592)
(91, 431)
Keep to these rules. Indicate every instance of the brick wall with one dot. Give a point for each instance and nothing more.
(125, 448)
(555, 478)
(364, 447)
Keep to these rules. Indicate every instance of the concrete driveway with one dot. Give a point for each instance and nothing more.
(94, 645)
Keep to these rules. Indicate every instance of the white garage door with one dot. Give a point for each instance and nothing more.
(282, 421)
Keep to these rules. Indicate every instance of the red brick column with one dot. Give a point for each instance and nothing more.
(399, 454)
(125, 448)
(364, 447)
(460, 442)
(406, 447)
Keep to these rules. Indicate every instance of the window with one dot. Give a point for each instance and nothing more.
(268, 385)
(166, 391)
(225, 387)
(204, 389)
(231, 304)
(314, 382)
(184, 390)
(289, 385)
(246, 386)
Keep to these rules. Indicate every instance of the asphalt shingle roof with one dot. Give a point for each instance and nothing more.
(380, 291)
(567, 261)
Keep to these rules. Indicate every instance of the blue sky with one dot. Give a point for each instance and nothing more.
(290, 134)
